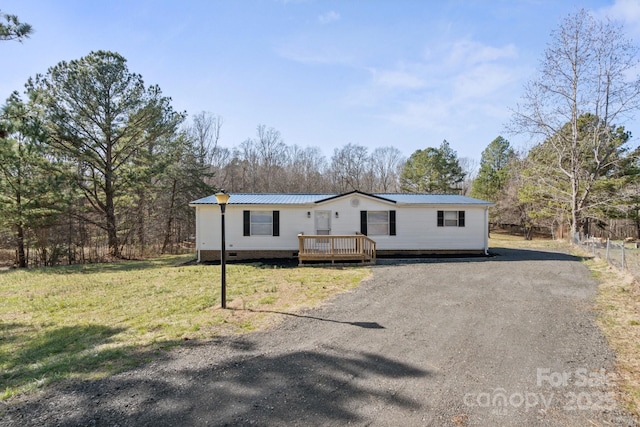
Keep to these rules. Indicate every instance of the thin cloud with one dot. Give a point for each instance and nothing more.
(396, 79)
(329, 17)
(461, 70)
(470, 52)
(482, 81)
(626, 11)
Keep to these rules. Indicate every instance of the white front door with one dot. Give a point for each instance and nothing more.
(323, 223)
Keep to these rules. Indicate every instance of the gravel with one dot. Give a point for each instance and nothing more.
(499, 341)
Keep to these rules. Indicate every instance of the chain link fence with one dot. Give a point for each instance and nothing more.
(622, 255)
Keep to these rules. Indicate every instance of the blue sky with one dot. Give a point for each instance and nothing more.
(401, 73)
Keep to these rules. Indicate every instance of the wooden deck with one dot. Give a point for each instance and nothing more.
(333, 248)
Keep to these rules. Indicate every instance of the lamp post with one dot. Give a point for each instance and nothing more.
(222, 199)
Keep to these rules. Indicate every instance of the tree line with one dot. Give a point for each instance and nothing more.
(95, 164)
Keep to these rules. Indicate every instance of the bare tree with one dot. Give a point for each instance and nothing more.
(248, 165)
(306, 170)
(221, 163)
(469, 168)
(205, 133)
(585, 71)
(272, 155)
(386, 165)
(349, 168)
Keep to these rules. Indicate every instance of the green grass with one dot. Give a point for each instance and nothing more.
(90, 321)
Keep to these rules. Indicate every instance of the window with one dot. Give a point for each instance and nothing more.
(378, 223)
(261, 223)
(450, 218)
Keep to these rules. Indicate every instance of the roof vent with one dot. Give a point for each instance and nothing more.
(355, 202)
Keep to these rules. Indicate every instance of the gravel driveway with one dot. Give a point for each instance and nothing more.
(506, 340)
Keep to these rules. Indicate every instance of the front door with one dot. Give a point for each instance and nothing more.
(323, 223)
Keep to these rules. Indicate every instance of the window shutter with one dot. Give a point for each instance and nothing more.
(440, 218)
(460, 218)
(363, 222)
(246, 216)
(392, 223)
(276, 223)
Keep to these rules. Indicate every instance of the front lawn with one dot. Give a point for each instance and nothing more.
(89, 321)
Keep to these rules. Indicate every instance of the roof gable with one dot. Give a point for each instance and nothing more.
(356, 192)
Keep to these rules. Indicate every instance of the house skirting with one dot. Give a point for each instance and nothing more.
(409, 253)
(214, 255)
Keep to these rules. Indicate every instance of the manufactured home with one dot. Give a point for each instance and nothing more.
(354, 226)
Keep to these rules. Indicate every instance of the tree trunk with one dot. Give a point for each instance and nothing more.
(575, 216)
(167, 230)
(21, 258)
(142, 222)
(112, 230)
(110, 211)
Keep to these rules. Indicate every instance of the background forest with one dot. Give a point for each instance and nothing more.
(96, 165)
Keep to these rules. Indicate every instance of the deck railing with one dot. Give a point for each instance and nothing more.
(357, 247)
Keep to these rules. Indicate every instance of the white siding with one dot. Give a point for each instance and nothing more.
(416, 226)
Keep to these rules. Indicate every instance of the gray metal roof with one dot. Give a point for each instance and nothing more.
(434, 199)
(265, 199)
(301, 199)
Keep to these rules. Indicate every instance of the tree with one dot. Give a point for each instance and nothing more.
(12, 29)
(272, 156)
(432, 170)
(29, 191)
(386, 164)
(185, 179)
(349, 167)
(188, 176)
(204, 133)
(306, 170)
(101, 118)
(628, 189)
(493, 173)
(586, 69)
(469, 168)
(550, 188)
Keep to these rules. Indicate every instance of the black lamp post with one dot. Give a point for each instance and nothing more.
(223, 199)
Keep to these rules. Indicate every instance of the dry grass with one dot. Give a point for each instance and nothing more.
(89, 321)
(618, 306)
(499, 239)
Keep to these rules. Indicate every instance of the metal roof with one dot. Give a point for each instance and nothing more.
(301, 199)
(265, 199)
(434, 199)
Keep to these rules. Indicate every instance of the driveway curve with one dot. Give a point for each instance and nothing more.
(503, 341)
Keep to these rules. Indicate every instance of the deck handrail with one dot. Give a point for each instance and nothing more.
(336, 248)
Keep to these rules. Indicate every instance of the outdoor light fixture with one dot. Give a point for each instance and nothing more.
(223, 198)
(337, 216)
(308, 214)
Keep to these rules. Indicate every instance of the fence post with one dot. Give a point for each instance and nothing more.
(607, 250)
(624, 264)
